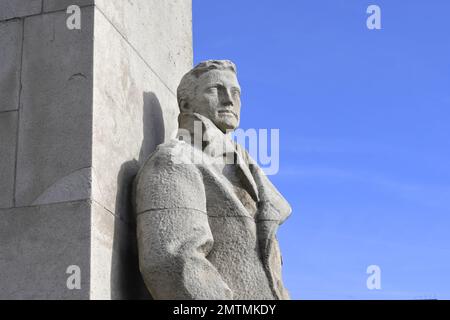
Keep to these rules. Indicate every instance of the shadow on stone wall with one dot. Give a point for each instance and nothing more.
(126, 280)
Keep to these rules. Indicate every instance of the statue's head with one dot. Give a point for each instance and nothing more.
(212, 90)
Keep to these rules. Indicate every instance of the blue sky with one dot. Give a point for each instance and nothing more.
(364, 135)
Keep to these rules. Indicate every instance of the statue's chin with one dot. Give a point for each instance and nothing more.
(229, 124)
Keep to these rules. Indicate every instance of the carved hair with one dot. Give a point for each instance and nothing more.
(188, 84)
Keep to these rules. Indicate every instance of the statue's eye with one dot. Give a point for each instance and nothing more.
(212, 89)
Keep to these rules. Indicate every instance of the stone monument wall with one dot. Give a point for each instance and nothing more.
(80, 110)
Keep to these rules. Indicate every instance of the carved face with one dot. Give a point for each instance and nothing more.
(218, 97)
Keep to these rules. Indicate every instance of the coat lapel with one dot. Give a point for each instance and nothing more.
(247, 178)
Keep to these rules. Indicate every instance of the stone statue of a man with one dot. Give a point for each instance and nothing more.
(206, 229)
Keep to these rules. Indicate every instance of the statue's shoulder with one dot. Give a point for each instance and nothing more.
(167, 176)
(165, 162)
(170, 153)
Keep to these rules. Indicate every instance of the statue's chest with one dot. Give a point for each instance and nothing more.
(240, 187)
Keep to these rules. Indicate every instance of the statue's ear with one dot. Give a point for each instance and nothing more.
(185, 107)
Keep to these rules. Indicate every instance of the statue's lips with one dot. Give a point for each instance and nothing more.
(229, 112)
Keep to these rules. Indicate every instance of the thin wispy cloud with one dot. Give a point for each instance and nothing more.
(431, 195)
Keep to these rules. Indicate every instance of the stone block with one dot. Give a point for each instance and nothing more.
(38, 244)
(8, 133)
(10, 57)
(90, 114)
(114, 261)
(133, 113)
(19, 8)
(55, 136)
(160, 31)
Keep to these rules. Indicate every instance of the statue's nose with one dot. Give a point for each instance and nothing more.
(226, 98)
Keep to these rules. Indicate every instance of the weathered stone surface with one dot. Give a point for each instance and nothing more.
(133, 113)
(84, 124)
(38, 244)
(54, 5)
(56, 116)
(206, 228)
(19, 8)
(75, 186)
(114, 262)
(10, 57)
(8, 134)
(160, 31)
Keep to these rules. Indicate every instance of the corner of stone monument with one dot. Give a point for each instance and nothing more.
(88, 90)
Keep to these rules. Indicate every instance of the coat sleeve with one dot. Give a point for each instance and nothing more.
(174, 237)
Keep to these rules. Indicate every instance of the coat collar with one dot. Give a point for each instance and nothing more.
(205, 136)
(211, 141)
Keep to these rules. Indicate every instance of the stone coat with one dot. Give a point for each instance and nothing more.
(206, 232)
